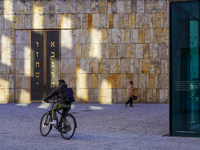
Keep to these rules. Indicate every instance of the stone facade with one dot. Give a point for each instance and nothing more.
(104, 45)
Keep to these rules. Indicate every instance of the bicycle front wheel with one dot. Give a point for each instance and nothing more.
(68, 126)
(45, 125)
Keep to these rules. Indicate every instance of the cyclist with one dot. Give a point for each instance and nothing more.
(66, 106)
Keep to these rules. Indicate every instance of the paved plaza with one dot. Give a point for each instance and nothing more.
(100, 127)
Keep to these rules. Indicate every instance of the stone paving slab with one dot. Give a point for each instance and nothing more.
(100, 127)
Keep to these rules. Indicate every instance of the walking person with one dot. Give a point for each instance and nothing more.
(130, 94)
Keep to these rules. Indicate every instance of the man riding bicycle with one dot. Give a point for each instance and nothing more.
(66, 106)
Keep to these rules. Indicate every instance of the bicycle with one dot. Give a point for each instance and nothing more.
(66, 125)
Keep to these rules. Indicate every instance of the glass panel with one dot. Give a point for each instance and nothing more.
(184, 69)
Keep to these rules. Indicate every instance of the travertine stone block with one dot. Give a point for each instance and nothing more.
(114, 6)
(100, 67)
(125, 19)
(151, 81)
(114, 67)
(165, 20)
(159, 20)
(152, 6)
(139, 51)
(22, 81)
(139, 20)
(109, 35)
(124, 96)
(103, 20)
(22, 37)
(166, 100)
(146, 50)
(140, 6)
(145, 66)
(79, 5)
(154, 95)
(122, 35)
(162, 66)
(106, 66)
(132, 20)
(9, 96)
(153, 50)
(105, 50)
(103, 38)
(70, 79)
(103, 6)
(149, 96)
(110, 21)
(119, 96)
(87, 66)
(158, 35)
(94, 7)
(89, 81)
(85, 95)
(152, 66)
(78, 51)
(8, 21)
(122, 51)
(95, 21)
(129, 77)
(111, 81)
(66, 21)
(128, 50)
(72, 20)
(73, 6)
(163, 81)
(80, 36)
(50, 20)
(127, 6)
(165, 34)
(152, 20)
(121, 81)
(138, 94)
(142, 81)
(114, 95)
(145, 22)
(160, 96)
(115, 35)
(132, 63)
(157, 65)
(128, 35)
(116, 21)
(162, 50)
(124, 66)
(84, 21)
(93, 96)
(156, 81)
(120, 6)
(134, 36)
(137, 66)
(147, 35)
(78, 21)
(1, 21)
(65, 65)
(166, 65)
(94, 81)
(134, 6)
(141, 36)
(68, 48)
(109, 6)
(78, 63)
(24, 96)
(95, 66)
(143, 95)
(163, 5)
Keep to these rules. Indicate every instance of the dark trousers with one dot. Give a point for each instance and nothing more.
(130, 100)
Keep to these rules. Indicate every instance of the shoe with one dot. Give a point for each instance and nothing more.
(54, 122)
(132, 106)
(125, 104)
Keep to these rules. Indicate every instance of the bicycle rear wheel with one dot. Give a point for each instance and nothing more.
(68, 126)
(45, 125)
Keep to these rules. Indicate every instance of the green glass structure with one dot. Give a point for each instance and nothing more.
(184, 68)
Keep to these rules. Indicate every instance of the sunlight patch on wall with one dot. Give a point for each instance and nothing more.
(95, 49)
(38, 18)
(81, 86)
(8, 10)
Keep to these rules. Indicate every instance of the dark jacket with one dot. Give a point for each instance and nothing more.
(58, 91)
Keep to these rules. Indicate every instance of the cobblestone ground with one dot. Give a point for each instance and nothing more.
(100, 127)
